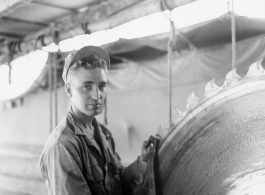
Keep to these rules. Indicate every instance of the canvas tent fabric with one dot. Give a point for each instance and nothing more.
(207, 34)
(218, 31)
(187, 68)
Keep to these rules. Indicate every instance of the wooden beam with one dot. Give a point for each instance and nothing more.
(9, 6)
(91, 15)
(107, 15)
(7, 19)
(9, 36)
(49, 5)
(100, 17)
(139, 10)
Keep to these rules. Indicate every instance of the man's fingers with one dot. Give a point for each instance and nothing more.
(146, 143)
(145, 149)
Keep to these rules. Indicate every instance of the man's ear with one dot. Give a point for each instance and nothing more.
(68, 90)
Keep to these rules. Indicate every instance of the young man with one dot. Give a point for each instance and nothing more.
(79, 156)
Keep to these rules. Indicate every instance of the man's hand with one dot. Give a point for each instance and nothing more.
(145, 150)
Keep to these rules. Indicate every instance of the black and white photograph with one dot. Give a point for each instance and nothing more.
(132, 97)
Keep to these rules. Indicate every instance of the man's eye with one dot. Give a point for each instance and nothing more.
(102, 86)
(87, 86)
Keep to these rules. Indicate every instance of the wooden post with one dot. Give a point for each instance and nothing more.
(233, 30)
(55, 89)
(50, 90)
(170, 53)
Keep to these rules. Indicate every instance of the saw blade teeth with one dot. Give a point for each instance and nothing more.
(231, 78)
(177, 115)
(211, 89)
(162, 131)
(178, 112)
(255, 69)
(192, 101)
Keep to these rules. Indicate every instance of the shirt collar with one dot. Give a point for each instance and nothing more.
(74, 122)
(102, 132)
(78, 127)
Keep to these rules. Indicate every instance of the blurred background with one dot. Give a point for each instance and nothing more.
(36, 35)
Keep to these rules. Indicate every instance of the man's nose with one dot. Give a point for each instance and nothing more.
(96, 93)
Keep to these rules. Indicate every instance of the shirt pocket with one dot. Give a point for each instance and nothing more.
(95, 180)
(94, 173)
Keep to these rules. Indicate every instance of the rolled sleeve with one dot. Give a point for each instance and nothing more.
(62, 171)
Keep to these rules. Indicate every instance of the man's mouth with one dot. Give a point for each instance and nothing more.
(95, 104)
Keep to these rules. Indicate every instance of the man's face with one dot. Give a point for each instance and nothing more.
(88, 90)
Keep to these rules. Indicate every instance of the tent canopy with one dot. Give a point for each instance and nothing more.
(26, 25)
(201, 36)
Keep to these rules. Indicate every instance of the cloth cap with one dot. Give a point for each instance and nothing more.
(82, 53)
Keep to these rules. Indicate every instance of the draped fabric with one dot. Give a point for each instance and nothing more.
(189, 67)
